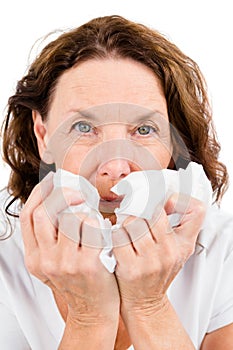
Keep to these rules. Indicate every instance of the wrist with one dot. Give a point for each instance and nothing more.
(146, 309)
(87, 333)
(158, 325)
(93, 319)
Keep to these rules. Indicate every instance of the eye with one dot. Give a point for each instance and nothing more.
(146, 130)
(83, 127)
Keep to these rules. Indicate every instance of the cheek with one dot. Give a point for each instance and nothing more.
(79, 159)
(67, 151)
(71, 162)
(73, 159)
(161, 154)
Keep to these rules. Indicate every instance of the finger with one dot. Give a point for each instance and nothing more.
(81, 229)
(140, 235)
(69, 227)
(44, 230)
(136, 227)
(68, 236)
(124, 255)
(26, 219)
(120, 237)
(45, 216)
(183, 204)
(59, 200)
(68, 240)
(159, 226)
(92, 234)
(123, 247)
(192, 213)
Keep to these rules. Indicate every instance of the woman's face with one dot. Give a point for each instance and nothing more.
(107, 118)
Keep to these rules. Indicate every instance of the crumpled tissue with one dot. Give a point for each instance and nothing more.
(143, 191)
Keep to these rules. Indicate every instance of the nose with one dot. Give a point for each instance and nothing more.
(115, 169)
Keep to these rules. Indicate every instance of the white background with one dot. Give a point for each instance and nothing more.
(203, 29)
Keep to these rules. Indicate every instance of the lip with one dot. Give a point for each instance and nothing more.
(111, 198)
(109, 203)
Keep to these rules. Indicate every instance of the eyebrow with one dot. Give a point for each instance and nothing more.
(74, 112)
(94, 117)
(151, 114)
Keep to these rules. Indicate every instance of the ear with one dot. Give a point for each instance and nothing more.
(41, 133)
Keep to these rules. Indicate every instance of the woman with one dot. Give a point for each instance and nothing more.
(82, 102)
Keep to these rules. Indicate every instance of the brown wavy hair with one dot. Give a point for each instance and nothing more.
(111, 36)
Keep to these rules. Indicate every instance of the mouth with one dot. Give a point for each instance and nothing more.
(109, 203)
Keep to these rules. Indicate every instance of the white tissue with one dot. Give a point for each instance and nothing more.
(143, 192)
(63, 178)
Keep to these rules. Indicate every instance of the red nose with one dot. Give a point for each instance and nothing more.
(115, 169)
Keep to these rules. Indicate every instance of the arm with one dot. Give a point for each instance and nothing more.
(70, 268)
(146, 267)
(158, 330)
(88, 336)
(221, 339)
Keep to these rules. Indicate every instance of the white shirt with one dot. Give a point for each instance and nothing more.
(202, 292)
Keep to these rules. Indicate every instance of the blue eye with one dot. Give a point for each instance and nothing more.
(146, 130)
(83, 127)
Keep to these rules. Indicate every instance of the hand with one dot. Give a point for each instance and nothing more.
(146, 266)
(70, 268)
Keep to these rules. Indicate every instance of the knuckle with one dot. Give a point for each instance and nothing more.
(200, 209)
(68, 195)
(91, 222)
(89, 270)
(67, 266)
(38, 214)
(67, 269)
(48, 267)
(131, 221)
(92, 233)
(68, 224)
(136, 228)
(197, 206)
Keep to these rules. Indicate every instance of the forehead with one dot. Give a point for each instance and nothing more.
(107, 82)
